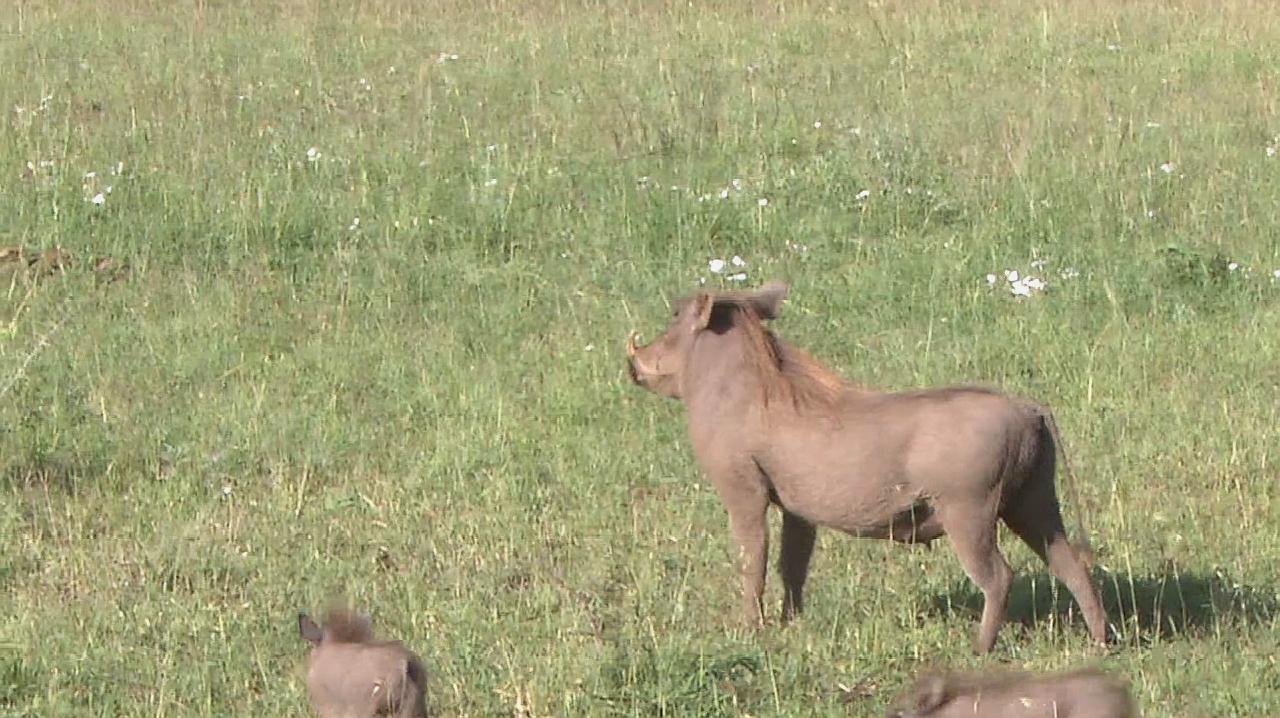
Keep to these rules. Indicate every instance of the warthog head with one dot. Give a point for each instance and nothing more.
(351, 675)
(660, 365)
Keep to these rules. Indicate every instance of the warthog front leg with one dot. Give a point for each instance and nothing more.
(748, 521)
(798, 537)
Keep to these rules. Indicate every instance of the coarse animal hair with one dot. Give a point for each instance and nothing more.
(343, 625)
(785, 372)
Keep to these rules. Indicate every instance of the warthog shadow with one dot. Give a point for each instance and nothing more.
(50, 473)
(1166, 603)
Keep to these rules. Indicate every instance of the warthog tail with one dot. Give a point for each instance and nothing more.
(1083, 547)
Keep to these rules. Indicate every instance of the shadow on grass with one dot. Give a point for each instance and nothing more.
(1164, 604)
(51, 473)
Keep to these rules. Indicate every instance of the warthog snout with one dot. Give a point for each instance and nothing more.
(635, 366)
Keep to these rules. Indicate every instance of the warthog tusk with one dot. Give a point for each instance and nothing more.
(631, 345)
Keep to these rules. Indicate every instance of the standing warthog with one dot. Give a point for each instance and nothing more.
(350, 675)
(769, 424)
(1084, 693)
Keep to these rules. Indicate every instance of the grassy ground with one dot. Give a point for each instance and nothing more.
(382, 259)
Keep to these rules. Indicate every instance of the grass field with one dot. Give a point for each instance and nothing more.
(381, 261)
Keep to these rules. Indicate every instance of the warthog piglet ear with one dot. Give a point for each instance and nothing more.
(308, 629)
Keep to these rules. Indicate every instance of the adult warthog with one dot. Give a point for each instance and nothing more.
(769, 424)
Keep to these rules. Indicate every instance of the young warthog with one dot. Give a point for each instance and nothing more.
(352, 676)
(769, 424)
(1085, 693)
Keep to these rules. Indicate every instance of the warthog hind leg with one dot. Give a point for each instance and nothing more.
(1036, 517)
(798, 538)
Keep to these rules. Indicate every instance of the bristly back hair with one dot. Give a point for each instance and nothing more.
(343, 625)
(786, 371)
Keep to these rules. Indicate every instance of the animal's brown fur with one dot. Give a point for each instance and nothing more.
(1081, 693)
(770, 424)
(787, 373)
(350, 675)
(343, 625)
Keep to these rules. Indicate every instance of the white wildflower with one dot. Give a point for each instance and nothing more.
(355, 224)
(313, 154)
(1011, 275)
(491, 183)
(1271, 151)
(762, 202)
(1034, 283)
(1113, 47)
(1233, 266)
(716, 265)
(991, 280)
(863, 194)
(119, 169)
(1020, 289)
(817, 125)
(738, 261)
(99, 199)
(1168, 167)
(739, 277)
(1276, 274)
(589, 347)
(1069, 273)
(736, 184)
(724, 194)
(90, 175)
(1038, 264)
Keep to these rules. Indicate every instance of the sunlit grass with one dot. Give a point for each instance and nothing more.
(381, 260)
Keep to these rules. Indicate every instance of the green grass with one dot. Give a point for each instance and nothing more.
(429, 411)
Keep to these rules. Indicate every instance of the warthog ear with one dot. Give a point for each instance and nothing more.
(308, 629)
(767, 300)
(702, 306)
